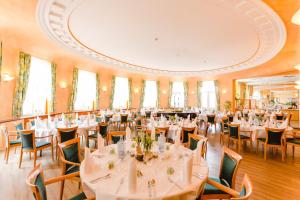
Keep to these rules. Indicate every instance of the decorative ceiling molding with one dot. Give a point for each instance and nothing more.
(54, 15)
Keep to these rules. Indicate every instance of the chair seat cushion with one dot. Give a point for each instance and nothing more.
(42, 143)
(80, 196)
(293, 140)
(209, 189)
(243, 137)
(72, 169)
(95, 135)
(262, 139)
(14, 142)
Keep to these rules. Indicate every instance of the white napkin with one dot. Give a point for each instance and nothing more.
(284, 124)
(89, 162)
(198, 152)
(187, 169)
(132, 176)
(177, 138)
(128, 134)
(100, 143)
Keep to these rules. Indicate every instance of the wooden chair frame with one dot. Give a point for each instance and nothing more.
(292, 144)
(35, 149)
(194, 129)
(266, 145)
(222, 133)
(205, 130)
(239, 140)
(238, 159)
(115, 133)
(58, 136)
(65, 162)
(8, 135)
(199, 137)
(98, 132)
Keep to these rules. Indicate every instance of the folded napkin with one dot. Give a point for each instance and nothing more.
(284, 124)
(89, 162)
(177, 138)
(132, 176)
(198, 152)
(100, 143)
(187, 169)
(128, 134)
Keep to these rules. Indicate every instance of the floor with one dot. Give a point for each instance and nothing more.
(272, 179)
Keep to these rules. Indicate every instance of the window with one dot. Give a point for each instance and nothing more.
(208, 95)
(86, 90)
(177, 98)
(150, 96)
(121, 93)
(39, 87)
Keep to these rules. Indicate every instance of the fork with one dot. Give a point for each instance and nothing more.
(100, 178)
(171, 181)
(119, 186)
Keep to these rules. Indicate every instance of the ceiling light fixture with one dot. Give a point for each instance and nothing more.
(296, 18)
(6, 77)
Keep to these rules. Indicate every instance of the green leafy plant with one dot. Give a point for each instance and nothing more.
(227, 105)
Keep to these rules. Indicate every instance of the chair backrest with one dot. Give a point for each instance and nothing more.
(148, 114)
(70, 151)
(65, 134)
(211, 119)
(124, 118)
(279, 116)
(19, 127)
(115, 136)
(274, 136)
(3, 130)
(103, 129)
(185, 133)
(246, 190)
(234, 130)
(230, 118)
(193, 142)
(225, 121)
(28, 139)
(35, 180)
(229, 165)
(107, 118)
(98, 118)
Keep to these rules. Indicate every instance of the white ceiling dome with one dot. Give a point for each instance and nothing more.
(169, 37)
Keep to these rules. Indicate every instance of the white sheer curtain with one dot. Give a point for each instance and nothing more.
(121, 94)
(86, 90)
(208, 95)
(177, 99)
(39, 87)
(150, 96)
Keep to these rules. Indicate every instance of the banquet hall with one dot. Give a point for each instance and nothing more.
(172, 99)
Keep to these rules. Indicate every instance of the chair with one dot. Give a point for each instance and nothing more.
(123, 121)
(10, 141)
(228, 169)
(161, 130)
(148, 114)
(294, 142)
(204, 131)
(65, 134)
(193, 141)
(235, 135)
(70, 157)
(230, 118)
(35, 180)
(29, 144)
(279, 116)
(107, 118)
(224, 129)
(185, 131)
(244, 194)
(211, 119)
(115, 136)
(102, 130)
(274, 138)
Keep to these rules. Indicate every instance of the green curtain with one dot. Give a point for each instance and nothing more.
(170, 93)
(142, 93)
(158, 93)
(112, 94)
(97, 91)
(0, 59)
(130, 92)
(73, 94)
(199, 90)
(21, 84)
(53, 87)
(216, 82)
(186, 94)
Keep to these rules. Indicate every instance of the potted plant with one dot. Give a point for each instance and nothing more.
(227, 106)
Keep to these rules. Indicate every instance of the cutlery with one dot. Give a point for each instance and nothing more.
(198, 175)
(149, 189)
(171, 181)
(98, 156)
(119, 186)
(100, 178)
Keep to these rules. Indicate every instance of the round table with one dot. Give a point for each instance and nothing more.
(166, 186)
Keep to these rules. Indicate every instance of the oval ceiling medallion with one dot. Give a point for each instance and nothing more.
(169, 37)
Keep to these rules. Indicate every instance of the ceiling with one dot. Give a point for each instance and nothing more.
(276, 81)
(170, 37)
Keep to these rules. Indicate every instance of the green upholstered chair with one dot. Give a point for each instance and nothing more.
(102, 130)
(107, 118)
(115, 136)
(228, 169)
(193, 142)
(294, 141)
(123, 121)
(19, 127)
(11, 140)
(185, 131)
(224, 129)
(162, 130)
(70, 157)
(230, 118)
(65, 134)
(244, 194)
(35, 180)
(211, 119)
(279, 116)
(236, 136)
(98, 118)
(274, 138)
(30, 144)
(148, 114)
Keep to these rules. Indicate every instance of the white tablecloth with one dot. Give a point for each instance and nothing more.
(155, 169)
